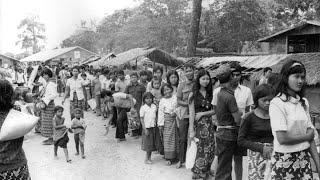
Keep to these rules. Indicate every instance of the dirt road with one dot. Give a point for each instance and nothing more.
(105, 158)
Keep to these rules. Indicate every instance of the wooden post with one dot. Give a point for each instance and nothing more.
(287, 44)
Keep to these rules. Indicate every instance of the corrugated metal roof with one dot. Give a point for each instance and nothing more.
(246, 61)
(49, 54)
(316, 23)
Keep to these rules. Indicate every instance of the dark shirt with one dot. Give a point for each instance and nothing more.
(29, 70)
(11, 153)
(136, 91)
(202, 104)
(253, 132)
(226, 105)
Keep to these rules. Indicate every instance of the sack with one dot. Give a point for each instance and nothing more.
(16, 125)
(191, 155)
(133, 119)
(92, 103)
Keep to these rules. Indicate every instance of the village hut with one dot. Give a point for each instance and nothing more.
(131, 58)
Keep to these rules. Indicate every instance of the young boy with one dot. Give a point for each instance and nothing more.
(79, 129)
(60, 133)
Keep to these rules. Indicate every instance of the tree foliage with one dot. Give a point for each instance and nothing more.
(31, 34)
(225, 26)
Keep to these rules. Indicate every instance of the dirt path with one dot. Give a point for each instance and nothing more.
(106, 159)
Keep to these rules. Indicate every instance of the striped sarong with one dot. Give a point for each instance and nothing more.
(47, 115)
(170, 137)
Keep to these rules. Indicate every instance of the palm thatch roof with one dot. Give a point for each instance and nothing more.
(311, 62)
(154, 54)
(97, 63)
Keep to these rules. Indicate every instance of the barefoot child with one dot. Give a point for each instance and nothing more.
(148, 114)
(60, 133)
(79, 128)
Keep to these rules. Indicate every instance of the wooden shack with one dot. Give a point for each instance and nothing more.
(303, 38)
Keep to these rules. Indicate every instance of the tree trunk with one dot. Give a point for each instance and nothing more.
(194, 30)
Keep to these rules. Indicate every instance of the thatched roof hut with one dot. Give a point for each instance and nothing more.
(154, 54)
(101, 61)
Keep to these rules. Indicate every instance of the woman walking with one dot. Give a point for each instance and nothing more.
(76, 89)
(201, 124)
(47, 96)
(291, 125)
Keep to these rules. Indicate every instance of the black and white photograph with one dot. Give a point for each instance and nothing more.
(159, 89)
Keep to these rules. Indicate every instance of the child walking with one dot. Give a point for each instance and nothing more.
(150, 140)
(79, 128)
(60, 133)
(96, 92)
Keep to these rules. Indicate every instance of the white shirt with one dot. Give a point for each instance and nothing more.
(149, 114)
(166, 106)
(242, 94)
(290, 117)
(21, 78)
(76, 86)
(50, 92)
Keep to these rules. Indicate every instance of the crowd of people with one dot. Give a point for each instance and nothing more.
(270, 123)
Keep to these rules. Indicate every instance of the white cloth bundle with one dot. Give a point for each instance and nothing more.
(191, 154)
(16, 125)
(92, 103)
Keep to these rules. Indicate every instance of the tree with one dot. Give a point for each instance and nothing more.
(194, 30)
(85, 37)
(32, 34)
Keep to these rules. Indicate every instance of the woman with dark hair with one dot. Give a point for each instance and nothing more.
(201, 125)
(36, 83)
(167, 123)
(291, 125)
(173, 80)
(46, 104)
(13, 162)
(255, 133)
(76, 89)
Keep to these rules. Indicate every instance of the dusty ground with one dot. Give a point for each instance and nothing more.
(106, 159)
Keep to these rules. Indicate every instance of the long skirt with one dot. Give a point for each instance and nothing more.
(152, 141)
(295, 166)
(170, 137)
(47, 115)
(258, 166)
(20, 173)
(75, 103)
(37, 112)
(88, 97)
(204, 130)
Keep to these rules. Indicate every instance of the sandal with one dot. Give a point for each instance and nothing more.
(69, 161)
(179, 165)
(168, 162)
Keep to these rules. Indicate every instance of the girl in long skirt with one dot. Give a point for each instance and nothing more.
(291, 125)
(255, 134)
(201, 124)
(167, 123)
